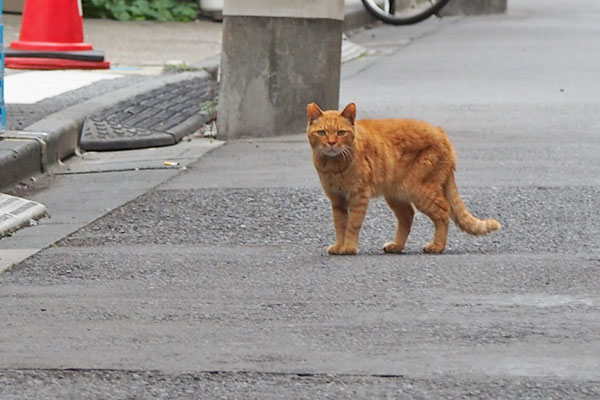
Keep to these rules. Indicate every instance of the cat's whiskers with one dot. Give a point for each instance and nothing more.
(347, 153)
(335, 151)
(344, 154)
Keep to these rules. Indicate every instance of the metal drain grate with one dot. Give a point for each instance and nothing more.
(16, 213)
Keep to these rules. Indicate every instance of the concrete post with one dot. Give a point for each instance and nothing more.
(277, 56)
(474, 7)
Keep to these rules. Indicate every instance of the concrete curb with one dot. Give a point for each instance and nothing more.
(18, 159)
(44, 143)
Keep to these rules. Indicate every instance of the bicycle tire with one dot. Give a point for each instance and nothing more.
(395, 20)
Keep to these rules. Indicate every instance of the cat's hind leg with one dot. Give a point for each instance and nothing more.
(405, 213)
(430, 200)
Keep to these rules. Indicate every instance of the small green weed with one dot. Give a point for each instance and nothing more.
(140, 10)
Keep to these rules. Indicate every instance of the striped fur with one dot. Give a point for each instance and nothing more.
(463, 218)
(410, 163)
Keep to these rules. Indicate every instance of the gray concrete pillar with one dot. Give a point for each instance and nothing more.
(277, 56)
(474, 7)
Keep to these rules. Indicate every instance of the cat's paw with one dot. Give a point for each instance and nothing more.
(392, 247)
(341, 250)
(334, 249)
(349, 251)
(433, 248)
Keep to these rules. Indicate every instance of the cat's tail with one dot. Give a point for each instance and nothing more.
(463, 218)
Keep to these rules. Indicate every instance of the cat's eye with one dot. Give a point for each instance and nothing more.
(341, 133)
(321, 133)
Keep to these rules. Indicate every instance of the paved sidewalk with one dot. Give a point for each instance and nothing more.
(142, 43)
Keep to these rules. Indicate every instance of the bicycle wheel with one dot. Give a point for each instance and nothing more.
(403, 12)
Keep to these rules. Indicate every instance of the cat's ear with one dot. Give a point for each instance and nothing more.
(314, 112)
(350, 112)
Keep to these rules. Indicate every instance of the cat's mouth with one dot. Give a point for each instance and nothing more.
(331, 151)
(336, 151)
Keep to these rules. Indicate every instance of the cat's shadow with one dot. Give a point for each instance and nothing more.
(407, 253)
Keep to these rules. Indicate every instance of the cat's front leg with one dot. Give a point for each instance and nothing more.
(357, 208)
(339, 207)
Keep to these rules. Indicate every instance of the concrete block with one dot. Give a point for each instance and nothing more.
(271, 68)
(474, 7)
(13, 6)
(319, 9)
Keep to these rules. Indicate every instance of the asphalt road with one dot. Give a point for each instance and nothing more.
(215, 283)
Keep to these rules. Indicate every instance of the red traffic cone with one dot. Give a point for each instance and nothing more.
(52, 38)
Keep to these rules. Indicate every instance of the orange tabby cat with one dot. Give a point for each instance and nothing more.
(410, 163)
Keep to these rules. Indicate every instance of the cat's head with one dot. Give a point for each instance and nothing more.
(331, 132)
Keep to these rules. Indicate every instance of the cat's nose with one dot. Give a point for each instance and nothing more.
(331, 143)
